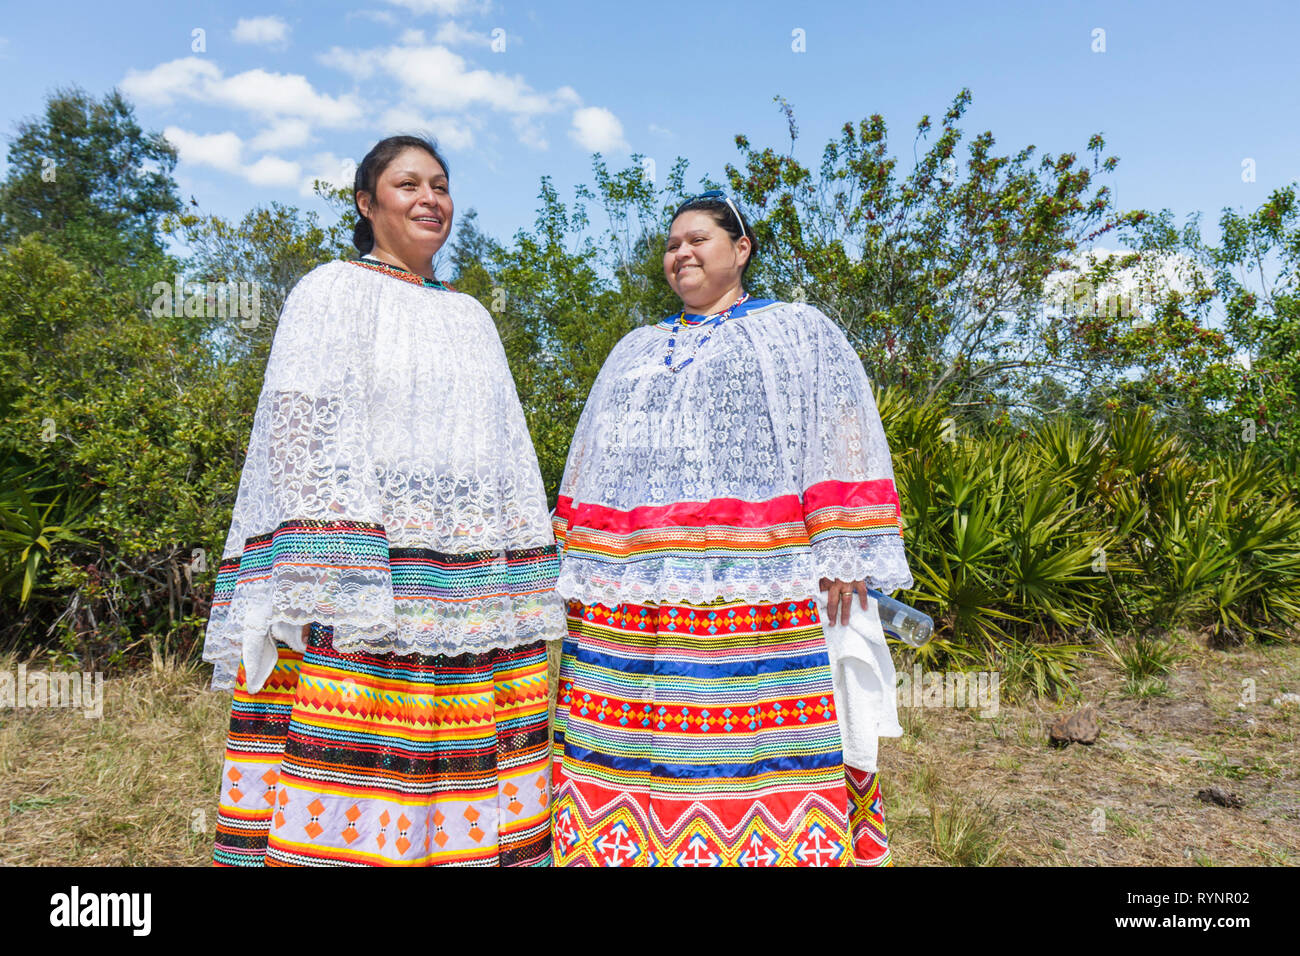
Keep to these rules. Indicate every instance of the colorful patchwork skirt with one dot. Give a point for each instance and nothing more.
(386, 760)
(690, 735)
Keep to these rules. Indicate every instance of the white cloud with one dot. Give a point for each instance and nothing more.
(597, 130)
(359, 64)
(1134, 289)
(379, 16)
(261, 31)
(446, 8)
(222, 150)
(225, 151)
(659, 130)
(272, 171)
(282, 134)
(441, 80)
(450, 132)
(286, 94)
(335, 170)
(452, 33)
(166, 81)
(452, 97)
(258, 91)
(529, 133)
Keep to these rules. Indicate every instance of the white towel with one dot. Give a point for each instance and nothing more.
(866, 686)
(261, 653)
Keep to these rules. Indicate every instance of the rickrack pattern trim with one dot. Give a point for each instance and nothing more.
(404, 274)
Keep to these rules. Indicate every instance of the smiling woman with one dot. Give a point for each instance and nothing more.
(707, 255)
(387, 584)
(403, 199)
(729, 466)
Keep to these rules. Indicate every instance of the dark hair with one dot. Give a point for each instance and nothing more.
(724, 217)
(374, 163)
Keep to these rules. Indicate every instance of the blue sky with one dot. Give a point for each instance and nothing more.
(1183, 92)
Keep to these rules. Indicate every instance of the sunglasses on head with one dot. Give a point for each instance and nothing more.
(719, 194)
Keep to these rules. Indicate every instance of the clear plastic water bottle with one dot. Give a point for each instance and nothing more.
(902, 621)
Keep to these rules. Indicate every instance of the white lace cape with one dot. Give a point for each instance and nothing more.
(774, 404)
(388, 426)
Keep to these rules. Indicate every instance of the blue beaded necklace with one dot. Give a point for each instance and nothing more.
(680, 322)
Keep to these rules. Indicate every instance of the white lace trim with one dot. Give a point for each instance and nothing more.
(475, 629)
(881, 564)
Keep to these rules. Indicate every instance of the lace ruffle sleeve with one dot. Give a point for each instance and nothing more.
(850, 504)
(306, 542)
(583, 450)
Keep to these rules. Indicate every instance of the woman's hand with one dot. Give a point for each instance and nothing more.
(839, 597)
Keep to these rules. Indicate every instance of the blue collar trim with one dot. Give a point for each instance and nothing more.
(694, 318)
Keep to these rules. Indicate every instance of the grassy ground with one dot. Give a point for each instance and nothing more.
(139, 786)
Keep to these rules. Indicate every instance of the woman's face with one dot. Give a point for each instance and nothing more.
(411, 209)
(702, 262)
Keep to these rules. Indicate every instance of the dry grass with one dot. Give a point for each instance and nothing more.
(1127, 800)
(137, 787)
(140, 785)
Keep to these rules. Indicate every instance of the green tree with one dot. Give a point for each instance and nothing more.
(134, 418)
(556, 315)
(1257, 276)
(268, 250)
(936, 276)
(116, 422)
(90, 181)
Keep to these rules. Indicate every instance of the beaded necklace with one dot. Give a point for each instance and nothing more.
(680, 322)
(387, 268)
